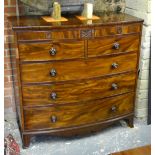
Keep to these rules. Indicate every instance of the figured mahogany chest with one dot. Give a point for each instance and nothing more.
(77, 76)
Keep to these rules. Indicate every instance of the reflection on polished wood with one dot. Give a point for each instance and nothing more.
(145, 150)
(36, 22)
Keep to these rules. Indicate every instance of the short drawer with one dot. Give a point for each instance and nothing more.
(64, 93)
(111, 45)
(77, 69)
(51, 51)
(117, 29)
(79, 114)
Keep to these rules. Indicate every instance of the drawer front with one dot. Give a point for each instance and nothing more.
(46, 35)
(66, 34)
(42, 95)
(105, 31)
(32, 35)
(73, 70)
(79, 114)
(119, 29)
(129, 28)
(53, 51)
(99, 47)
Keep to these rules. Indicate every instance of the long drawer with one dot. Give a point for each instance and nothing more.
(73, 70)
(76, 33)
(51, 51)
(79, 114)
(62, 93)
(99, 47)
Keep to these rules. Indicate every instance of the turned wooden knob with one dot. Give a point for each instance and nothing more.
(52, 51)
(53, 72)
(113, 108)
(114, 86)
(53, 119)
(114, 65)
(116, 46)
(53, 95)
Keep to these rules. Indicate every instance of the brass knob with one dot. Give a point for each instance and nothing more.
(113, 108)
(52, 51)
(114, 65)
(53, 72)
(116, 46)
(53, 95)
(114, 86)
(53, 119)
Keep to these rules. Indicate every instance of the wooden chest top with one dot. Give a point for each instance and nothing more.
(37, 23)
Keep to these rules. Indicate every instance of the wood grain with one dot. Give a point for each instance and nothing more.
(145, 150)
(37, 23)
(105, 31)
(99, 47)
(59, 35)
(33, 35)
(113, 30)
(39, 95)
(40, 51)
(84, 75)
(75, 33)
(52, 35)
(67, 116)
(74, 70)
(131, 28)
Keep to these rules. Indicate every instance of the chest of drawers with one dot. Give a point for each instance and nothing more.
(75, 77)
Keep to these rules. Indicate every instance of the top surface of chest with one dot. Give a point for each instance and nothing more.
(37, 23)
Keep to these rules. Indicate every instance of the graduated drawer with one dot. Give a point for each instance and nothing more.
(117, 29)
(64, 93)
(51, 51)
(110, 45)
(74, 70)
(79, 114)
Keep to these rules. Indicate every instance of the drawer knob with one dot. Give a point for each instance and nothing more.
(52, 51)
(114, 86)
(53, 96)
(113, 108)
(114, 65)
(119, 30)
(53, 72)
(53, 119)
(116, 46)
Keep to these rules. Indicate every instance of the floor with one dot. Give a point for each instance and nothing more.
(116, 138)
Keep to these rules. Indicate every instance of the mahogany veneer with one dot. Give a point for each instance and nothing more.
(75, 77)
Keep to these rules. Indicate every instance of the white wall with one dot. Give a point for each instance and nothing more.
(142, 9)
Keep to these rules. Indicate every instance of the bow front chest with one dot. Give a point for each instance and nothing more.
(75, 77)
